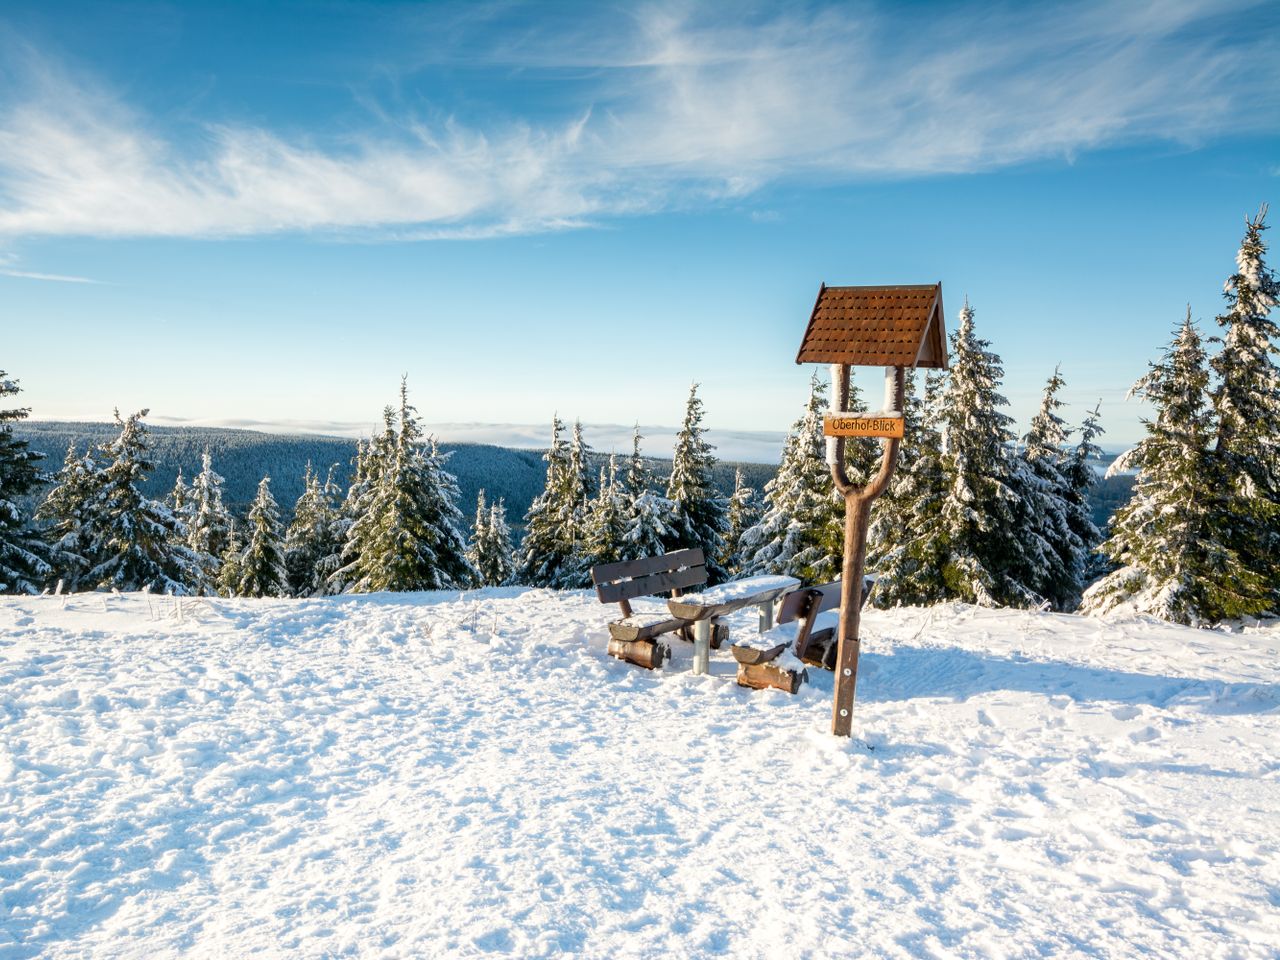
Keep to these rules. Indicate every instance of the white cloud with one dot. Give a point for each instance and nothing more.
(686, 108)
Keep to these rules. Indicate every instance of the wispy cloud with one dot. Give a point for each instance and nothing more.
(9, 268)
(684, 107)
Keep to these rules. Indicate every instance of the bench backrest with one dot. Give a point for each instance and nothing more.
(797, 603)
(619, 582)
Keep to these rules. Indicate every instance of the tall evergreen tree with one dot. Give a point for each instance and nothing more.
(313, 536)
(647, 511)
(208, 523)
(479, 536)
(906, 546)
(408, 535)
(1058, 571)
(575, 508)
(1081, 479)
(699, 511)
(605, 528)
(262, 571)
(743, 514)
(67, 524)
(794, 536)
(228, 580)
(1246, 402)
(135, 540)
(23, 563)
(983, 513)
(1173, 562)
(492, 553)
(547, 550)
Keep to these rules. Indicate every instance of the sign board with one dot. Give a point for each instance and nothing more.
(860, 425)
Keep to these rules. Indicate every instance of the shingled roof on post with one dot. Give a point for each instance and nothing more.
(877, 327)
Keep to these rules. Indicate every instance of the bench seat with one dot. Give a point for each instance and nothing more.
(642, 626)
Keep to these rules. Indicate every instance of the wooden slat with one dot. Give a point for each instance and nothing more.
(745, 654)
(647, 586)
(628, 569)
(698, 611)
(627, 631)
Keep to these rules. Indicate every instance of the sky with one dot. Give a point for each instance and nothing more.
(265, 214)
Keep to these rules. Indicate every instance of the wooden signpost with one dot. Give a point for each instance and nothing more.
(892, 327)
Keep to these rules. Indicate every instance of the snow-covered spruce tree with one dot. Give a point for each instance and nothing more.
(547, 548)
(983, 512)
(370, 462)
(492, 553)
(262, 571)
(1173, 561)
(575, 509)
(23, 565)
(1246, 447)
(313, 535)
(179, 498)
(479, 535)
(1059, 572)
(208, 523)
(1081, 479)
(409, 536)
(906, 548)
(743, 514)
(605, 529)
(698, 510)
(228, 582)
(647, 511)
(135, 540)
(65, 519)
(801, 508)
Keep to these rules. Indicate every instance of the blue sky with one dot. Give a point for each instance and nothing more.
(279, 209)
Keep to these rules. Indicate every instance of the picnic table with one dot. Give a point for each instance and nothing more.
(703, 609)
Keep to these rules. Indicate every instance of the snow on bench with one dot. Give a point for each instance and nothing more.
(731, 596)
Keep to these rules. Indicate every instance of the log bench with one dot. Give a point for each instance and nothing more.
(704, 610)
(776, 658)
(634, 638)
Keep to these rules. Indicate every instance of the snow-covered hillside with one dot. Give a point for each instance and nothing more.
(426, 775)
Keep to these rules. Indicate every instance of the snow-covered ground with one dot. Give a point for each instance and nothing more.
(432, 775)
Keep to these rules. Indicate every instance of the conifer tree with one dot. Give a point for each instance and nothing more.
(547, 550)
(135, 540)
(605, 529)
(228, 581)
(647, 512)
(23, 563)
(408, 534)
(1173, 562)
(743, 514)
(65, 515)
(906, 547)
(262, 571)
(1081, 479)
(699, 511)
(371, 460)
(983, 512)
(313, 535)
(492, 553)
(479, 536)
(574, 513)
(179, 497)
(1246, 447)
(208, 523)
(1059, 555)
(793, 536)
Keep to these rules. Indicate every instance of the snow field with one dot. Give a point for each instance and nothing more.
(441, 775)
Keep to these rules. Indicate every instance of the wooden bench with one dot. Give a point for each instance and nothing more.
(776, 659)
(634, 637)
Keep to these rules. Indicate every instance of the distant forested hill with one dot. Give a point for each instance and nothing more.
(243, 456)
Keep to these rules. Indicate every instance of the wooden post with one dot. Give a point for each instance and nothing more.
(857, 511)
